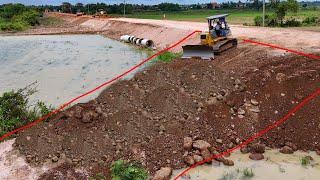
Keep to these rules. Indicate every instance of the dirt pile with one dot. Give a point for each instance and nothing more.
(148, 117)
(143, 119)
(271, 91)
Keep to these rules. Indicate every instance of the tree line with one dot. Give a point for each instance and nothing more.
(67, 7)
(18, 17)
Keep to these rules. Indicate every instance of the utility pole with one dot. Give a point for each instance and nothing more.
(264, 12)
(124, 8)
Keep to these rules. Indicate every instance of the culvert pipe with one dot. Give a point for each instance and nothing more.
(137, 41)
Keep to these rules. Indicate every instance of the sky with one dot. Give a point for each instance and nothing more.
(58, 2)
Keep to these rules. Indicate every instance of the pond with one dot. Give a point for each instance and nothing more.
(64, 66)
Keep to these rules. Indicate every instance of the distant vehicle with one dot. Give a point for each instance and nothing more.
(100, 13)
(79, 13)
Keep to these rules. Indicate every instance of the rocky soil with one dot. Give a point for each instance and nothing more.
(176, 114)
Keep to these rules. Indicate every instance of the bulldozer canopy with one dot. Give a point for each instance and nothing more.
(219, 16)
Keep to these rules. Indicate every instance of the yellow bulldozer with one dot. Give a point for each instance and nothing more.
(214, 41)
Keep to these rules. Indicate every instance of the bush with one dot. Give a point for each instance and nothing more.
(15, 110)
(13, 26)
(271, 20)
(258, 21)
(123, 170)
(311, 20)
(30, 17)
(292, 23)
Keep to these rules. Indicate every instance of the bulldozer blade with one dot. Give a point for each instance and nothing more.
(198, 51)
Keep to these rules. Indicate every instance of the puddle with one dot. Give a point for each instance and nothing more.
(64, 66)
(274, 166)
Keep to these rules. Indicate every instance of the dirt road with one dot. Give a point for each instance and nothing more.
(308, 41)
(166, 32)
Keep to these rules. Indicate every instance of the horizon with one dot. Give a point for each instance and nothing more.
(145, 2)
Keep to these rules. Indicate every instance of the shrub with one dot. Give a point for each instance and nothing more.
(13, 26)
(311, 20)
(15, 110)
(30, 17)
(271, 20)
(292, 23)
(258, 21)
(123, 170)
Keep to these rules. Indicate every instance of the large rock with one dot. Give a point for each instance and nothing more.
(280, 77)
(258, 148)
(77, 112)
(206, 155)
(254, 102)
(228, 162)
(163, 174)
(201, 145)
(88, 116)
(286, 150)
(292, 146)
(245, 150)
(256, 156)
(189, 160)
(197, 158)
(187, 143)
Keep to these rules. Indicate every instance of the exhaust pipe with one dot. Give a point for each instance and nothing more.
(137, 41)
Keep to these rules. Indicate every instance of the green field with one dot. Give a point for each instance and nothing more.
(236, 16)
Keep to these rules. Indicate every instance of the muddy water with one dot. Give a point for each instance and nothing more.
(64, 66)
(275, 166)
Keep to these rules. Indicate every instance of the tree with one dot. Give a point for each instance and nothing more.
(169, 7)
(66, 7)
(284, 7)
(10, 10)
(79, 7)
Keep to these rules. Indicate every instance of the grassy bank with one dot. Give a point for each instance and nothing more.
(16, 110)
(237, 16)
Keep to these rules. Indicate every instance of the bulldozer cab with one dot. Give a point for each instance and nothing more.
(218, 26)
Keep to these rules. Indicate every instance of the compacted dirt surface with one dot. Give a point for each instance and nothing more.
(149, 118)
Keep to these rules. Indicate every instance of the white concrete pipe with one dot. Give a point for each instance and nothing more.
(137, 41)
(125, 38)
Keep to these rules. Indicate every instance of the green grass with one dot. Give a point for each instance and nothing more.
(305, 161)
(168, 56)
(248, 173)
(123, 170)
(236, 16)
